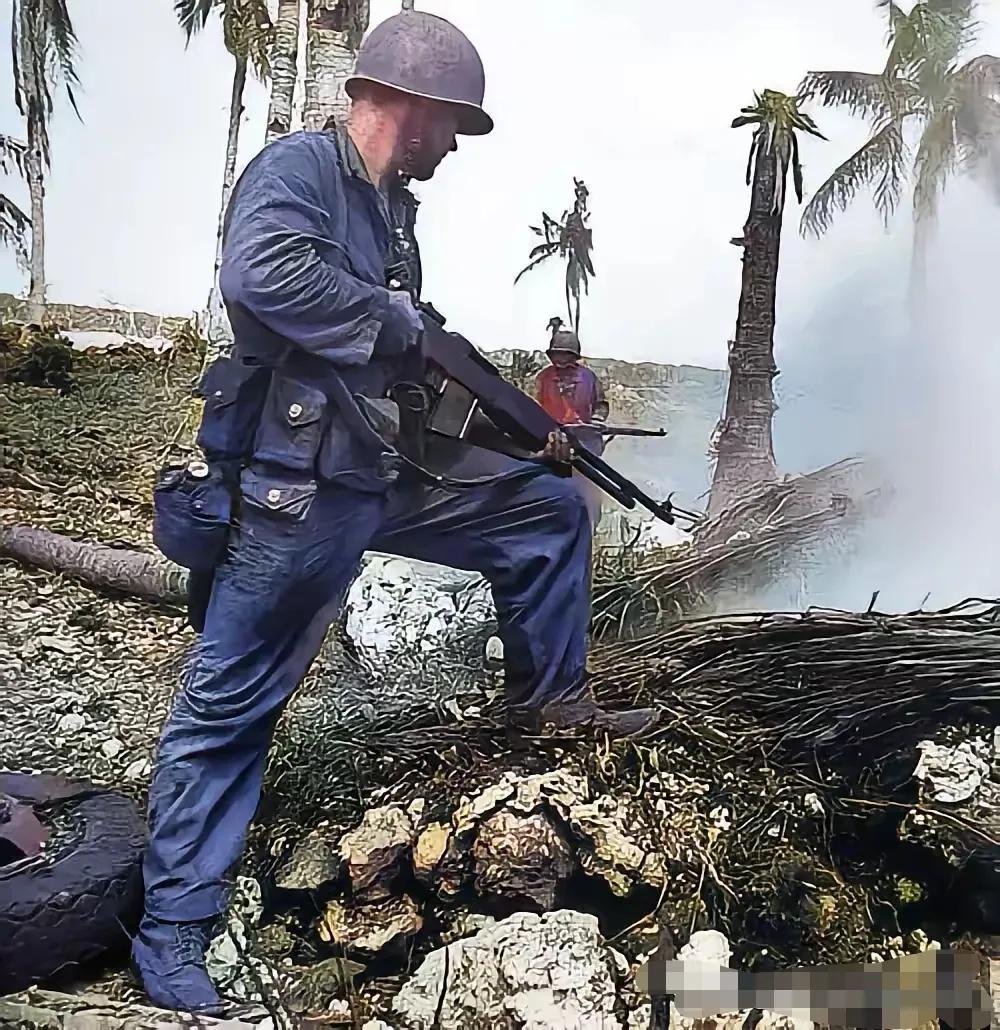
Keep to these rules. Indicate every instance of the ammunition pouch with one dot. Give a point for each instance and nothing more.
(234, 390)
(192, 514)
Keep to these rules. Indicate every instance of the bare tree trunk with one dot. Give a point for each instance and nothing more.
(232, 151)
(334, 32)
(104, 568)
(745, 447)
(217, 329)
(284, 69)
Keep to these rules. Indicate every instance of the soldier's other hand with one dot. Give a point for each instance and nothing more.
(558, 448)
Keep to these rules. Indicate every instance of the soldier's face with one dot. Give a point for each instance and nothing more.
(437, 128)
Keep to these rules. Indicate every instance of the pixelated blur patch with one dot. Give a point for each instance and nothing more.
(900, 994)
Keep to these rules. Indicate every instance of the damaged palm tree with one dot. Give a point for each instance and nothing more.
(570, 239)
(772, 537)
(43, 45)
(745, 452)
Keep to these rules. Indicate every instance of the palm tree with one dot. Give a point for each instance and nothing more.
(334, 29)
(43, 46)
(14, 223)
(248, 33)
(571, 239)
(284, 68)
(744, 443)
(952, 110)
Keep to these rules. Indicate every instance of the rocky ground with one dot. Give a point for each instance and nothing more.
(408, 869)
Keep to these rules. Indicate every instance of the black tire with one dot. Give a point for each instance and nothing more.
(79, 899)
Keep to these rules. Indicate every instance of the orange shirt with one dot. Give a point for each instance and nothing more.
(570, 395)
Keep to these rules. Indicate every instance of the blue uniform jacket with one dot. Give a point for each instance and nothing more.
(306, 242)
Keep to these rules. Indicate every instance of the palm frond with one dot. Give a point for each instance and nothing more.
(778, 120)
(14, 228)
(550, 251)
(781, 148)
(193, 15)
(957, 19)
(249, 33)
(43, 45)
(62, 46)
(980, 76)
(751, 154)
(796, 168)
(882, 160)
(862, 93)
(543, 249)
(13, 153)
(928, 43)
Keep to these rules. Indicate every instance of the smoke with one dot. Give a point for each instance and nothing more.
(917, 391)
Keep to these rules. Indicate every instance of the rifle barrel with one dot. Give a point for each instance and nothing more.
(606, 430)
(612, 489)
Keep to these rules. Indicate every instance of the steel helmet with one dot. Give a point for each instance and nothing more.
(565, 340)
(426, 56)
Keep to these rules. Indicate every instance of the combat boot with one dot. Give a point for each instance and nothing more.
(569, 718)
(169, 960)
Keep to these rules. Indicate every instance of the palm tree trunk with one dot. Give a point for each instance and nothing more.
(918, 267)
(745, 447)
(218, 332)
(284, 69)
(28, 31)
(334, 32)
(35, 168)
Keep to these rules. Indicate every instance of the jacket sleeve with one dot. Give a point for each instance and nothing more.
(280, 264)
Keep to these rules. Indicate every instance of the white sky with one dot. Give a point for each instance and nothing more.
(635, 97)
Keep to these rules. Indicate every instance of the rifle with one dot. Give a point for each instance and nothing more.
(467, 387)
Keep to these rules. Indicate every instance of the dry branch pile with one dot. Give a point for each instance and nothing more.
(820, 685)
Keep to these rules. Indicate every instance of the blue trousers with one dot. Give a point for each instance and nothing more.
(526, 531)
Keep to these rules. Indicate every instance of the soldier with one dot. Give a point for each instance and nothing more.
(569, 391)
(573, 395)
(301, 410)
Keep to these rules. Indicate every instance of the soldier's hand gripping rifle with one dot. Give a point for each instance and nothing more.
(466, 388)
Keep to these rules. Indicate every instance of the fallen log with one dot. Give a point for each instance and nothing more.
(116, 569)
(777, 529)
